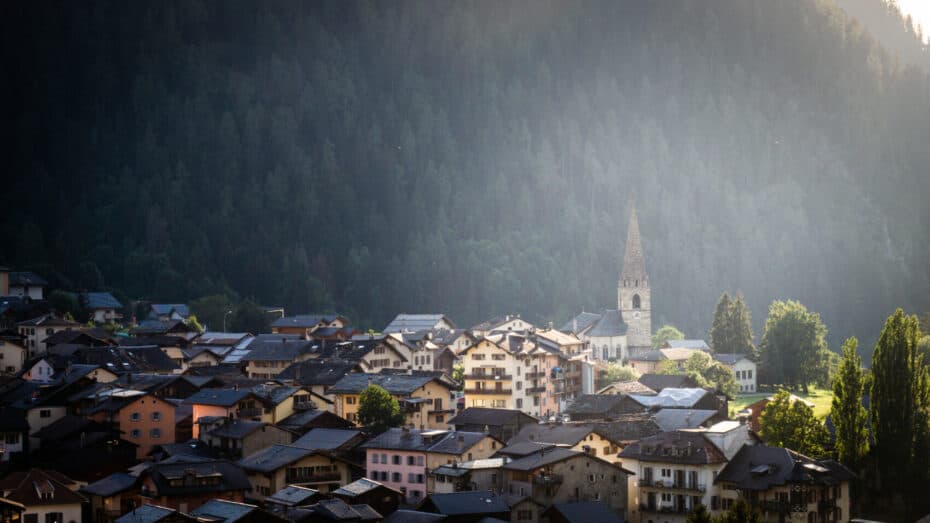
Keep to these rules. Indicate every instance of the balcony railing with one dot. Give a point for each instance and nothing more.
(489, 377)
(304, 405)
(535, 390)
(664, 509)
(671, 485)
(250, 413)
(547, 479)
(313, 478)
(487, 392)
(535, 374)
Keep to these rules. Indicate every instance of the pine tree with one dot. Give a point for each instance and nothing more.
(731, 331)
(719, 330)
(848, 414)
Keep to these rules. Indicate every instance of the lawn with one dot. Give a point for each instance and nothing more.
(821, 399)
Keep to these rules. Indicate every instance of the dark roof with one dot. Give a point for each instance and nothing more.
(584, 512)
(26, 487)
(150, 514)
(165, 309)
(472, 502)
(729, 359)
(674, 419)
(232, 477)
(415, 322)
(277, 350)
(657, 382)
(27, 278)
(760, 467)
(489, 416)
(100, 300)
(237, 429)
(326, 439)
(13, 420)
(687, 344)
(628, 387)
(293, 495)
(121, 360)
(440, 441)
(542, 459)
(653, 355)
(306, 418)
(555, 433)
(609, 324)
(219, 397)
(339, 510)
(413, 516)
(674, 447)
(224, 510)
(594, 404)
(274, 457)
(627, 428)
(111, 485)
(305, 320)
(48, 320)
(524, 448)
(361, 486)
(350, 350)
(193, 448)
(580, 322)
(317, 372)
(161, 327)
(79, 337)
(69, 425)
(397, 384)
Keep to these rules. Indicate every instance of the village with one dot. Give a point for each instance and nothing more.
(503, 421)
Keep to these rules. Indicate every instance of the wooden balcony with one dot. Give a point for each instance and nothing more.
(547, 479)
(488, 392)
(669, 484)
(535, 390)
(489, 377)
(250, 413)
(535, 374)
(313, 478)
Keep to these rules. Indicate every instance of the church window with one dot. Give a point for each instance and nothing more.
(636, 302)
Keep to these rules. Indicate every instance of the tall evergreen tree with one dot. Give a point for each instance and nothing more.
(731, 331)
(720, 328)
(848, 415)
(899, 405)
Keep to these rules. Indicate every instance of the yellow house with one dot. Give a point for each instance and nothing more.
(489, 375)
(275, 467)
(425, 400)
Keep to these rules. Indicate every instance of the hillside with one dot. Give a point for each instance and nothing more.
(472, 158)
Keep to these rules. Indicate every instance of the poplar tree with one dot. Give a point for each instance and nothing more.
(848, 414)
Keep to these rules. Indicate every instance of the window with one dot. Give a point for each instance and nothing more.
(666, 497)
(155, 433)
(135, 416)
(419, 478)
(54, 517)
(519, 385)
(12, 438)
(45, 413)
(666, 473)
(497, 357)
(374, 458)
(156, 416)
(440, 418)
(396, 477)
(411, 477)
(135, 433)
(636, 301)
(395, 459)
(350, 400)
(477, 356)
(749, 373)
(420, 461)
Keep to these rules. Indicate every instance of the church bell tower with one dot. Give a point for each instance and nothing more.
(633, 294)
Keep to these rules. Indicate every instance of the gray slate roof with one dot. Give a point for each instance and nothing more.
(219, 397)
(609, 324)
(472, 502)
(304, 321)
(110, 485)
(146, 514)
(274, 457)
(277, 349)
(413, 516)
(672, 397)
(415, 322)
(445, 442)
(27, 278)
(489, 416)
(359, 487)
(326, 439)
(317, 372)
(687, 344)
(228, 511)
(682, 447)
(397, 384)
(164, 309)
(101, 300)
(580, 322)
(292, 495)
(585, 512)
(729, 359)
(657, 382)
(760, 467)
(674, 419)
(541, 459)
(237, 429)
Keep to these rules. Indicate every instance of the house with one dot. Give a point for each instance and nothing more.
(659, 382)
(274, 467)
(172, 345)
(372, 354)
(187, 484)
(743, 368)
(36, 330)
(168, 311)
(647, 360)
(329, 510)
(401, 458)
(783, 484)
(625, 387)
(126, 359)
(318, 376)
(144, 418)
(304, 421)
(46, 496)
(227, 403)
(225, 511)
(426, 400)
(39, 371)
(413, 516)
(4, 280)
(562, 475)
(112, 496)
(419, 322)
(292, 496)
(165, 328)
(477, 474)
(675, 471)
(583, 437)
(467, 507)
(12, 351)
(671, 398)
(235, 438)
(268, 357)
(376, 495)
(304, 325)
(154, 514)
(102, 307)
(591, 407)
(503, 424)
(26, 284)
(338, 441)
(14, 434)
(674, 419)
(581, 512)
(490, 372)
(83, 449)
(502, 324)
(700, 345)
(455, 339)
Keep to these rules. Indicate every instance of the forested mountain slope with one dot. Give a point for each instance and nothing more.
(467, 157)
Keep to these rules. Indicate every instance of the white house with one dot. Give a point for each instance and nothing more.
(27, 284)
(743, 368)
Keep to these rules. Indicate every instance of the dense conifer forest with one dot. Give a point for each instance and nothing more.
(471, 158)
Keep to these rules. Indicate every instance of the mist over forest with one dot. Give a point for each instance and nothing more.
(470, 158)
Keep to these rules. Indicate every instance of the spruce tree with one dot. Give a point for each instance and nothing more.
(720, 330)
(848, 414)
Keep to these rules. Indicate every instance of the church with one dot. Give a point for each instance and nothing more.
(612, 333)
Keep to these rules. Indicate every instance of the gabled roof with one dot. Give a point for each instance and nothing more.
(524, 448)
(48, 320)
(100, 300)
(161, 327)
(27, 487)
(237, 429)
(300, 420)
(625, 387)
(306, 321)
(219, 397)
(760, 467)
(609, 324)
(152, 514)
(595, 404)
(680, 446)
(317, 371)
(231, 476)
(326, 439)
(568, 434)
(339, 510)
(277, 350)
(274, 457)
(674, 419)
(413, 516)
(436, 441)
(672, 397)
(293, 495)
(490, 416)
(26, 278)
(121, 360)
(653, 355)
(686, 344)
(165, 309)
(416, 322)
(471, 502)
(542, 459)
(396, 384)
(584, 512)
(580, 322)
(361, 486)
(111, 485)
(223, 510)
(657, 382)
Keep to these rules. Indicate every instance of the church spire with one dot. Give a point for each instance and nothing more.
(634, 265)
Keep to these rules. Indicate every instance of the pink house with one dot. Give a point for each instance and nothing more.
(401, 458)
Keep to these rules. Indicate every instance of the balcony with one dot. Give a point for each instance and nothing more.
(671, 485)
(535, 374)
(489, 377)
(535, 390)
(304, 405)
(250, 413)
(488, 392)
(313, 478)
(664, 509)
(779, 507)
(547, 479)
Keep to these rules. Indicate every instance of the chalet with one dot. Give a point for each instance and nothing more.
(268, 357)
(582, 437)
(12, 352)
(271, 468)
(83, 449)
(478, 474)
(331, 510)
(292, 496)
(149, 513)
(112, 496)
(304, 421)
(338, 441)
(455, 339)
(626, 387)
(304, 325)
(45, 495)
(101, 307)
(237, 438)
(418, 322)
(401, 458)
(144, 418)
(581, 512)
(168, 311)
(425, 399)
(378, 496)
(318, 376)
(189, 484)
(502, 324)
(503, 424)
(37, 330)
(659, 382)
(468, 507)
(26, 284)
(228, 403)
(372, 354)
(607, 336)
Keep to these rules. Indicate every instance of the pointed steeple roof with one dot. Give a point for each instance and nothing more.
(634, 265)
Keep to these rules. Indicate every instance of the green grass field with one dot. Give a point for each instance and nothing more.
(821, 399)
